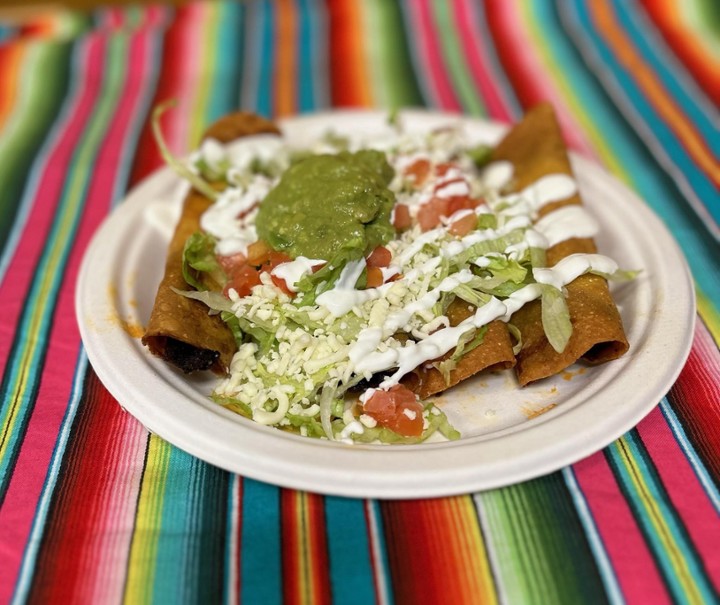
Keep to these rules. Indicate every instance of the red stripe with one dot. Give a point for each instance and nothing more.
(684, 490)
(64, 340)
(419, 551)
(440, 85)
(147, 157)
(290, 546)
(696, 400)
(631, 560)
(345, 81)
(466, 19)
(700, 64)
(66, 566)
(26, 482)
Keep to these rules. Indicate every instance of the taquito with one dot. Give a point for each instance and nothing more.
(181, 331)
(535, 147)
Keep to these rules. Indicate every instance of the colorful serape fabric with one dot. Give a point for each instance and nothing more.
(94, 509)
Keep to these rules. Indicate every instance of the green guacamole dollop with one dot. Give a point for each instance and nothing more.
(327, 204)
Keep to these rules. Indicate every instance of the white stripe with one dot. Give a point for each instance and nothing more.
(493, 557)
(607, 573)
(233, 548)
(252, 53)
(40, 163)
(642, 129)
(667, 57)
(33, 544)
(690, 454)
(317, 15)
(378, 560)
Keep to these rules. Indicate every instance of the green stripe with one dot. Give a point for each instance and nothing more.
(29, 349)
(192, 532)
(671, 546)
(455, 60)
(399, 86)
(41, 92)
(537, 544)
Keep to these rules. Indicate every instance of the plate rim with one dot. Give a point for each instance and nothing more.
(353, 483)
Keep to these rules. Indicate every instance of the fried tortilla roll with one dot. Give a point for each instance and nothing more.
(495, 352)
(180, 330)
(536, 148)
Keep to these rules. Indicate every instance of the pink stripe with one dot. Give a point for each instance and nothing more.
(17, 514)
(191, 51)
(466, 19)
(14, 288)
(685, 491)
(631, 560)
(438, 83)
(108, 554)
(542, 85)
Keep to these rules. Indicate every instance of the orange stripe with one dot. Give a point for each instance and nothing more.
(472, 549)
(355, 61)
(10, 61)
(318, 575)
(286, 65)
(670, 19)
(291, 552)
(625, 52)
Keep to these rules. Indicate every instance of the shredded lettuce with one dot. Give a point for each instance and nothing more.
(200, 266)
(177, 165)
(555, 318)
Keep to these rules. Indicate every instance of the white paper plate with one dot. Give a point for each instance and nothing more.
(509, 434)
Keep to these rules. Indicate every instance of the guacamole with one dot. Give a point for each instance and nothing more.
(325, 204)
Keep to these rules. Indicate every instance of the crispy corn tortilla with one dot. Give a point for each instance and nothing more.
(536, 148)
(180, 330)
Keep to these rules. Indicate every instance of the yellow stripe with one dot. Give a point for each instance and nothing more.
(143, 551)
(478, 581)
(553, 71)
(210, 17)
(709, 314)
(655, 515)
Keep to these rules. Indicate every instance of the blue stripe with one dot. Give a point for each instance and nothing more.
(349, 551)
(648, 121)
(678, 534)
(229, 46)
(261, 562)
(694, 104)
(387, 595)
(91, 141)
(696, 463)
(27, 568)
(607, 573)
(488, 51)
(306, 65)
(266, 59)
(646, 177)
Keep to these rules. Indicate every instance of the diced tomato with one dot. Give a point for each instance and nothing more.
(460, 202)
(463, 225)
(282, 284)
(242, 280)
(232, 262)
(401, 217)
(442, 169)
(397, 409)
(430, 212)
(380, 257)
(375, 277)
(418, 172)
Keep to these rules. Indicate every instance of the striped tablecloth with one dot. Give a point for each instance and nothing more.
(96, 510)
